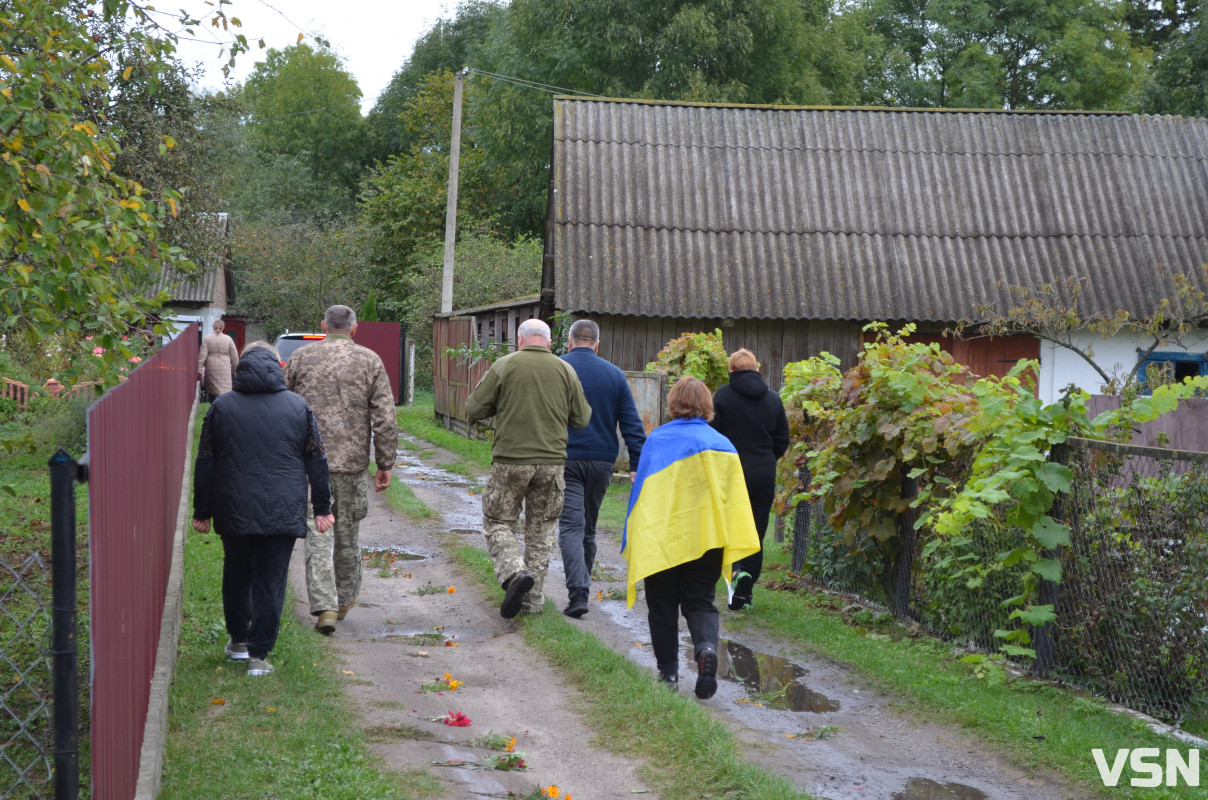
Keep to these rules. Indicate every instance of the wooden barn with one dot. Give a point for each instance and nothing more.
(790, 228)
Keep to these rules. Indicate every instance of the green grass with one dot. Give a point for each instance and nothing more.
(291, 734)
(400, 497)
(687, 753)
(417, 420)
(1037, 726)
(612, 510)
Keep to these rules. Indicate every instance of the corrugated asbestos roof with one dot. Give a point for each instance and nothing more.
(199, 287)
(791, 213)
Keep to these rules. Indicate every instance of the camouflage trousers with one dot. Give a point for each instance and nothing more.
(333, 559)
(539, 488)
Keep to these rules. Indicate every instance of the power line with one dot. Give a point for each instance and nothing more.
(527, 84)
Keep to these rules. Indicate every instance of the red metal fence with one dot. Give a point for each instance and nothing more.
(385, 339)
(137, 435)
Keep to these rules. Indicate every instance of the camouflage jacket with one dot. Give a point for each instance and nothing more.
(347, 387)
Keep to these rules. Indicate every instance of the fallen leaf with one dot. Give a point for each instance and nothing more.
(348, 672)
(218, 701)
(270, 708)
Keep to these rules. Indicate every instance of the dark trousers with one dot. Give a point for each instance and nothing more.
(254, 571)
(761, 494)
(586, 484)
(688, 588)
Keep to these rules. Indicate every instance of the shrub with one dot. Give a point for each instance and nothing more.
(700, 355)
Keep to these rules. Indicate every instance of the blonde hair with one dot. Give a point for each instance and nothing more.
(690, 397)
(219, 326)
(743, 359)
(265, 345)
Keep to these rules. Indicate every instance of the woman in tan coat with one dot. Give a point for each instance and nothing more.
(217, 361)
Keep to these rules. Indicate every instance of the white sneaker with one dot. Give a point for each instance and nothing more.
(236, 651)
(259, 666)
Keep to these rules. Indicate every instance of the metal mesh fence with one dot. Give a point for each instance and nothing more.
(1132, 607)
(25, 733)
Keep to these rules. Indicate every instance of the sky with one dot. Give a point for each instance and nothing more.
(374, 37)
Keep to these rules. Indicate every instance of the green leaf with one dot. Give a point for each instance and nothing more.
(1049, 569)
(1034, 615)
(1050, 533)
(1056, 477)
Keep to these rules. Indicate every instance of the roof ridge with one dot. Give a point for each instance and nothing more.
(883, 109)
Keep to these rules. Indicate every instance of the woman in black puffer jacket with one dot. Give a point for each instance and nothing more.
(752, 417)
(260, 447)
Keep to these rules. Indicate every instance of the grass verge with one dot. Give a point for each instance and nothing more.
(1036, 725)
(695, 755)
(399, 496)
(289, 734)
(417, 420)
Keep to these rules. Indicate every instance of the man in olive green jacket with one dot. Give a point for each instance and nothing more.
(533, 396)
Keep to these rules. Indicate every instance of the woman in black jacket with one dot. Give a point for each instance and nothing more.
(752, 417)
(260, 447)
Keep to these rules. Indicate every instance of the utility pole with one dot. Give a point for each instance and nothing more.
(446, 290)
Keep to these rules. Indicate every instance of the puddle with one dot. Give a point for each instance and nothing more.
(773, 681)
(422, 638)
(926, 789)
(465, 531)
(385, 556)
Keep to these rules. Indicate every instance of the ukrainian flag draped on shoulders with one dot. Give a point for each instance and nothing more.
(688, 497)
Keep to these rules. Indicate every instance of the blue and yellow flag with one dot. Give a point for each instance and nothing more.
(689, 497)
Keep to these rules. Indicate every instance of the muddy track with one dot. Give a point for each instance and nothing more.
(780, 701)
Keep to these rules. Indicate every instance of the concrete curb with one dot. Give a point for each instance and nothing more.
(155, 730)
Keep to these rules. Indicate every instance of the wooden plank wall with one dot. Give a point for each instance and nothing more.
(632, 342)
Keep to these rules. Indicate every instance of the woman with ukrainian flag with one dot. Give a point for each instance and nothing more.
(689, 520)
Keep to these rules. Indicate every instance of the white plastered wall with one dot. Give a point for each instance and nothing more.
(1060, 366)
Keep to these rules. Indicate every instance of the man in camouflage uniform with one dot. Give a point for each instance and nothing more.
(347, 387)
(534, 396)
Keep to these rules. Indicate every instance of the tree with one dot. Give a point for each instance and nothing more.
(305, 105)
(1053, 313)
(448, 46)
(1180, 76)
(78, 238)
(489, 270)
(404, 199)
(289, 274)
(1020, 54)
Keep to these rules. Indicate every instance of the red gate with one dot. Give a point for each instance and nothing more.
(386, 339)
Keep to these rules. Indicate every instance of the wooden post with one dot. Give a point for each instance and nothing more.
(446, 291)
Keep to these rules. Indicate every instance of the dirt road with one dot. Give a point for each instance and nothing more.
(403, 635)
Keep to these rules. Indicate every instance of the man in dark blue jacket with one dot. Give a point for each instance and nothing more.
(260, 447)
(591, 455)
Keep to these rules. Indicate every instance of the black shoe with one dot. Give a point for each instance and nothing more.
(577, 606)
(744, 585)
(706, 680)
(515, 589)
(669, 680)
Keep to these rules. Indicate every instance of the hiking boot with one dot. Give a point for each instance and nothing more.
(706, 679)
(744, 585)
(259, 666)
(235, 651)
(327, 623)
(577, 606)
(514, 591)
(345, 609)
